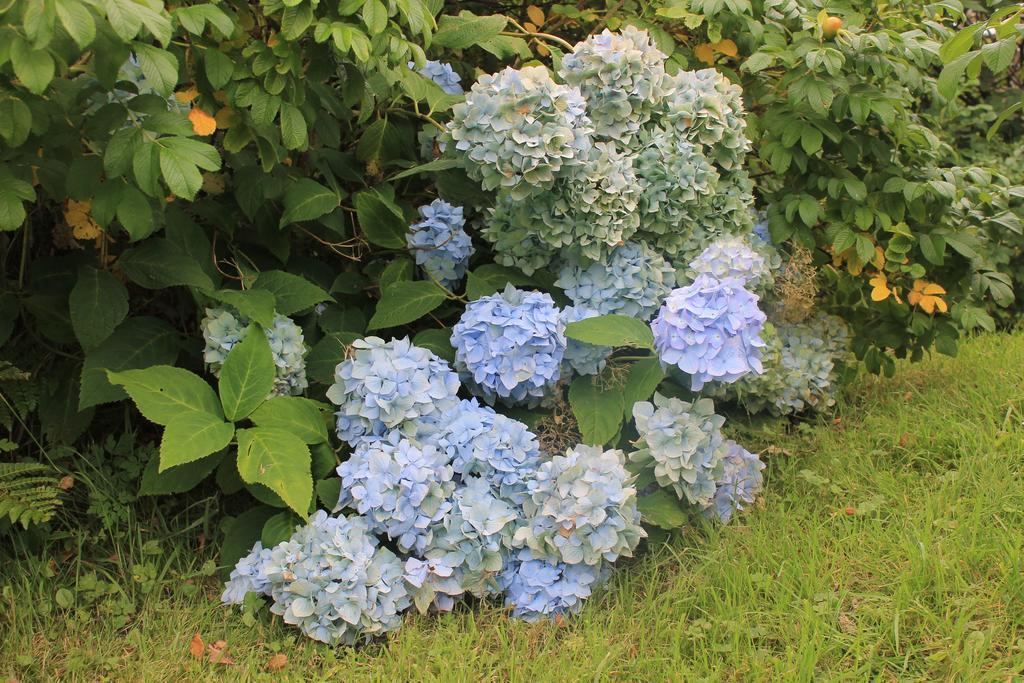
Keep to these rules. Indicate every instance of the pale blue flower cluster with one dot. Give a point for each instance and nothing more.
(710, 330)
(581, 508)
(440, 243)
(632, 282)
(383, 384)
(739, 484)
(399, 486)
(510, 346)
(224, 327)
(540, 589)
(332, 579)
(442, 74)
(248, 576)
(683, 444)
(486, 444)
(801, 362)
(580, 357)
(621, 75)
(518, 130)
(733, 257)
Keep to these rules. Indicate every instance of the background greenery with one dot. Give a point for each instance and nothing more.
(266, 155)
(887, 547)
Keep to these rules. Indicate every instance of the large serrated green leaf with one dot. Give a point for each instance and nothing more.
(278, 460)
(299, 416)
(291, 292)
(598, 411)
(612, 330)
(404, 302)
(98, 303)
(161, 392)
(191, 436)
(247, 376)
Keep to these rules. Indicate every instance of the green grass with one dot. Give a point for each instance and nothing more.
(889, 546)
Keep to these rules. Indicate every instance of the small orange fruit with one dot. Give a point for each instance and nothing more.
(830, 27)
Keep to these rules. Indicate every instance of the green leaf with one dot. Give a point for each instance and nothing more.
(598, 412)
(15, 121)
(662, 509)
(61, 419)
(294, 414)
(644, 377)
(307, 200)
(381, 141)
(467, 30)
(952, 72)
(612, 330)
(247, 377)
(180, 161)
(439, 341)
(13, 191)
(241, 533)
(329, 492)
(380, 220)
(255, 304)
(137, 343)
(98, 303)
(375, 16)
(135, 213)
(279, 528)
(933, 247)
(192, 435)
(399, 270)
(219, 68)
(159, 263)
(161, 392)
(77, 21)
(278, 460)
(404, 302)
(34, 68)
(491, 277)
(325, 355)
(293, 127)
(176, 479)
(123, 18)
(811, 139)
(291, 292)
(160, 67)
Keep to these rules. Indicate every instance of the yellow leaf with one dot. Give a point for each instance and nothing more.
(529, 26)
(705, 53)
(879, 260)
(187, 95)
(197, 648)
(202, 123)
(726, 47)
(536, 14)
(83, 227)
(277, 662)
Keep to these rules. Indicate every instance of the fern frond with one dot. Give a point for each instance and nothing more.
(29, 492)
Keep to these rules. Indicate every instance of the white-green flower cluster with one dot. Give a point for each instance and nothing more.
(656, 162)
(519, 130)
(224, 327)
(633, 281)
(800, 362)
(682, 442)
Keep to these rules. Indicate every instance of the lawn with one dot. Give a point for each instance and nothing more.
(888, 547)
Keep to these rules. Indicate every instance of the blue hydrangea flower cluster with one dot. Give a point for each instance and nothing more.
(581, 508)
(225, 327)
(733, 257)
(739, 485)
(400, 487)
(801, 363)
(582, 358)
(384, 384)
(683, 444)
(510, 346)
(710, 330)
(440, 243)
(632, 282)
(332, 579)
(442, 74)
(541, 589)
(518, 130)
(248, 576)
